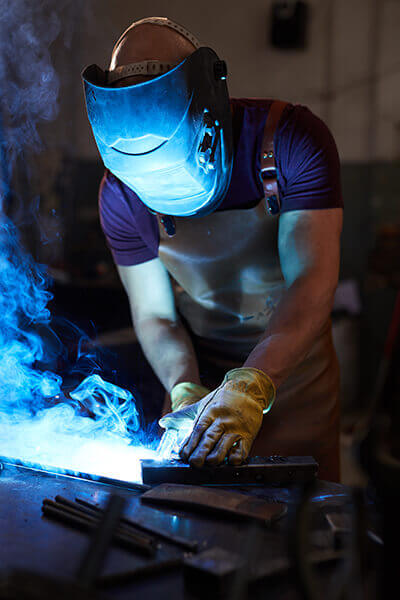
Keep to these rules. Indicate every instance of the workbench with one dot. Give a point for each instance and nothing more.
(30, 541)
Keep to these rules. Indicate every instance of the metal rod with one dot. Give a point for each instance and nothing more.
(84, 522)
(91, 513)
(136, 537)
(190, 545)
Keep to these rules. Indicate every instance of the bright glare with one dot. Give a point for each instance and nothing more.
(41, 441)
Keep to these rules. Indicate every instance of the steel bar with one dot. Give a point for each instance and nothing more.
(190, 545)
(80, 514)
(123, 528)
(257, 470)
(86, 523)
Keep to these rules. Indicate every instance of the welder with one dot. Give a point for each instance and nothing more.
(223, 217)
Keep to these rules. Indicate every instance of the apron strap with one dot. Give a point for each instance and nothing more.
(167, 222)
(269, 173)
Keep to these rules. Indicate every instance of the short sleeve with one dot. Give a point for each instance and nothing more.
(308, 163)
(119, 224)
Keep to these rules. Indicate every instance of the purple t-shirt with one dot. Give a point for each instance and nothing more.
(308, 168)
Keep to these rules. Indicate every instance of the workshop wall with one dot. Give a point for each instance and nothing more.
(348, 73)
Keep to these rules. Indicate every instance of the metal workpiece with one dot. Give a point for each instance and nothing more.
(281, 470)
(226, 503)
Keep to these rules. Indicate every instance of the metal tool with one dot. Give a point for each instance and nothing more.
(257, 470)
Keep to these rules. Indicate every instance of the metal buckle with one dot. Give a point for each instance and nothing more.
(270, 173)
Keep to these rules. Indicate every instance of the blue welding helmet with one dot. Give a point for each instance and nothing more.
(168, 138)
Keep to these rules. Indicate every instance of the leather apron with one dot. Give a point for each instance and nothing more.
(228, 282)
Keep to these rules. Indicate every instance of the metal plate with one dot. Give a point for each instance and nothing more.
(225, 502)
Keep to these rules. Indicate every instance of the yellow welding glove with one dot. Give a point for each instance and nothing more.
(186, 393)
(226, 421)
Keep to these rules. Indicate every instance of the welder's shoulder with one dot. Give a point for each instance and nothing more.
(117, 215)
(305, 136)
(117, 201)
(308, 162)
(114, 205)
(112, 189)
(130, 229)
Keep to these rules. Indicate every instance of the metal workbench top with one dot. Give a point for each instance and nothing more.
(30, 541)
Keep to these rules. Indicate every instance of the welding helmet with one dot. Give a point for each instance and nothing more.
(169, 138)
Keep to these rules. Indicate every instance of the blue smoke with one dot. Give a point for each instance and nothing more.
(109, 441)
(23, 305)
(111, 415)
(95, 429)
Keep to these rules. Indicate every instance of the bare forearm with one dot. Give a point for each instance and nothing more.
(299, 319)
(169, 350)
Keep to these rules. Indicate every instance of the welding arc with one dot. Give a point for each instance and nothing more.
(83, 520)
(190, 545)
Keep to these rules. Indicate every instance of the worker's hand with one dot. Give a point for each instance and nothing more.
(181, 422)
(227, 420)
(186, 393)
